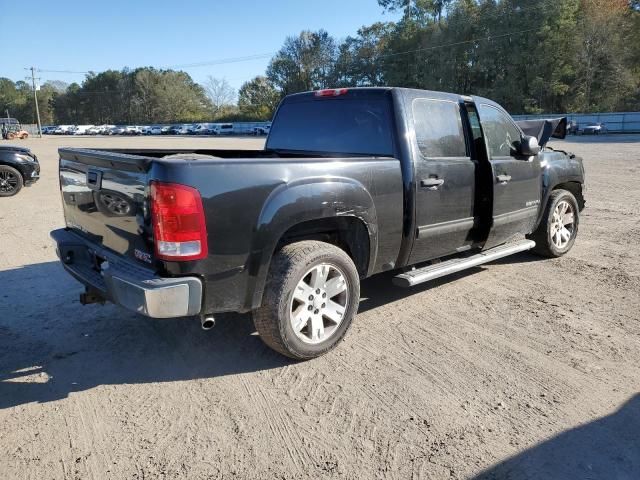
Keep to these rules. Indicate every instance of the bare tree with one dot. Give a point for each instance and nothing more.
(221, 94)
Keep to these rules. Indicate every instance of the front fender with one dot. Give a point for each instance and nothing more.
(558, 168)
(290, 204)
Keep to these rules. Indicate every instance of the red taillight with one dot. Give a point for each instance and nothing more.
(331, 92)
(179, 228)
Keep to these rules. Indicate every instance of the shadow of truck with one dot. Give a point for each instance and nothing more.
(607, 449)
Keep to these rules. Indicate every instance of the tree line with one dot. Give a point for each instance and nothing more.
(532, 56)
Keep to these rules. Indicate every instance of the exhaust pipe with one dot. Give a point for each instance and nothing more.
(207, 322)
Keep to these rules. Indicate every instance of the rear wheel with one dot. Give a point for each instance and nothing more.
(10, 181)
(310, 299)
(559, 225)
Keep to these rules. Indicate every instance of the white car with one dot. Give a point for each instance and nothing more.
(64, 130)
(222, 129)
(262, 130)
(132, 130)
(155, 130)
(183, 130)
(203, 129)
(82, 129)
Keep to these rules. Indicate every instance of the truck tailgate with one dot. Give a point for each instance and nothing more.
(104, 198)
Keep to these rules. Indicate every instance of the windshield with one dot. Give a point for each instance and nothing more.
(349, 126)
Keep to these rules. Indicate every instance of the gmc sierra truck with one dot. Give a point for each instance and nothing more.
(351, 183)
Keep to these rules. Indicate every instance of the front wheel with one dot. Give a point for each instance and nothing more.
(10, 181)
(559, 225)
(311, 296)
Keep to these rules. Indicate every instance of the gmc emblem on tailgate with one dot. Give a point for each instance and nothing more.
(144, 256)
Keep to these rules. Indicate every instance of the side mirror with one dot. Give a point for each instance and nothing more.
(529, 146)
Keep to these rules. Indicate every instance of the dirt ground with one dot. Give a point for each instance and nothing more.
(525, 368)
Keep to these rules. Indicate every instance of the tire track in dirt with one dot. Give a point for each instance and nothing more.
(279, 425)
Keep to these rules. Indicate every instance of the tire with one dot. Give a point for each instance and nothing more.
(11, 181)
(546, 235)
(299, 267)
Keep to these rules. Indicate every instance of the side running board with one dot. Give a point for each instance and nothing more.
(430, 272)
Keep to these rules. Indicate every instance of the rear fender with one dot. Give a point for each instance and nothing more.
(304, 200)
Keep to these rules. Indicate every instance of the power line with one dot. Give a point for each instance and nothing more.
(221, 61)
(62, 71)
(434, 47)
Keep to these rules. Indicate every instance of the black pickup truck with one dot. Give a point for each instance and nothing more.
(352, 182)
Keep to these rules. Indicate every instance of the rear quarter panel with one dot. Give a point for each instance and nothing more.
(250, 204)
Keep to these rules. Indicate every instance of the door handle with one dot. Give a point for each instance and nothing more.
(503, 178)
(431, 183)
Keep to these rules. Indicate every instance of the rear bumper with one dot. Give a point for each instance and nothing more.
(124, 282)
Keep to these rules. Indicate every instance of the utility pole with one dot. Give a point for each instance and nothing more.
(35, 98)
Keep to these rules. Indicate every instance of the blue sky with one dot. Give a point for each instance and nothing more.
(97, 35)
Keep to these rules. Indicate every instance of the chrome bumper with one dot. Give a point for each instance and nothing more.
(123, 282)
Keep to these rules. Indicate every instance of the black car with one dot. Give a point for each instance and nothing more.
(19, 168)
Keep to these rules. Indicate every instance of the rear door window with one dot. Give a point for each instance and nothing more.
(438, 127)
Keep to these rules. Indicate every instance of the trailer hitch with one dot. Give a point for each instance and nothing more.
(91, 296)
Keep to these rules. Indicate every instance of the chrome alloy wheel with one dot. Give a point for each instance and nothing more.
(319, 303)
(562, 224)
(8, 182)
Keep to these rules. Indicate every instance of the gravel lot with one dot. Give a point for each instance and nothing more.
(524, 368)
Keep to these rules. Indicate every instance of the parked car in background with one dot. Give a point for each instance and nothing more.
(181, 129)
(262, 130)
(222, 129)
(64, 129)
(19, 168)
(82, 129)
(594, 129)
(48, 130)
(203, 129)
(155, 130)
(117, 130)
(132, 130)
(166, 130)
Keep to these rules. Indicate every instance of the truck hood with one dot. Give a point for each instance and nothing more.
(544, 129)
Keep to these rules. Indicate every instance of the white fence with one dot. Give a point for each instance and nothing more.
(622, 122)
